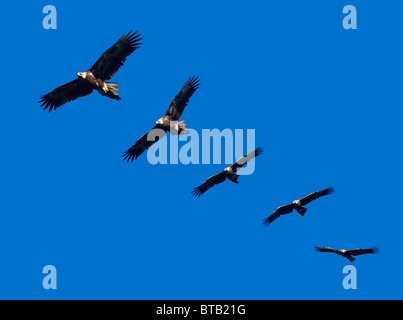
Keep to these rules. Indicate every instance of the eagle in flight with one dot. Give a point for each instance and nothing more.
(349, 253)
(297, 205)
(228, 173)
(95, 78)
(169, 122)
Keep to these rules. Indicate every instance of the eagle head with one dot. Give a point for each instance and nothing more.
(82, 74)
(297, 202)
(229, 170)
(160, 121)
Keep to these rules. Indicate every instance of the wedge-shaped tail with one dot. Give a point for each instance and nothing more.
(112, 90)
(178, 127)
(234, 178)
(301, 210)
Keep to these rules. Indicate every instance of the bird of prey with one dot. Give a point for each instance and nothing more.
(349, 253)
(95, 78)
(171, 117)
(228, 173)
(297, 205)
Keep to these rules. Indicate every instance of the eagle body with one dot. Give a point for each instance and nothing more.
(298, 207)
(230, 175)
(174, 127)
(96, 83)
(346, 255)
(107, 89)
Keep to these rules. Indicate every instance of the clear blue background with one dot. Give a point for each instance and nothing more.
(326, 104)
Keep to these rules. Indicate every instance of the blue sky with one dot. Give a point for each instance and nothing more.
(326, 105)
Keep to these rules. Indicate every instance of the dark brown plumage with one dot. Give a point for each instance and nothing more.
(113, 58)
(297, 205)
(228, 173)
(171, 117)
(348, 253)
(95, 78)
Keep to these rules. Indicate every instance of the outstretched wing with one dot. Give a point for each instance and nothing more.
(209, 183)
(279, 211)
(181, 100)
(316, 195)
(113, 58)
(140, 146)
(326, 249)
(65, 93)
(241, 162)
(358, 252)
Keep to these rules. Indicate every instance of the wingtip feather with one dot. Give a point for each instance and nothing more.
(266, 222)
(193, 82)
(259, 151)
(45, 104)
(196, 192)
(129, 157)
(330, 190)
(375, 249)
(132, 39)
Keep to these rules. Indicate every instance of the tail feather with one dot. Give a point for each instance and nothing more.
(301, 210)
(112, 90)
(234, 178)
(182, 127)
(178, 127)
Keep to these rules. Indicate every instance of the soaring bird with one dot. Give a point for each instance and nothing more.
(349, 253)
(297, 205)
(171, 117)
(95, 78)
(228, 173)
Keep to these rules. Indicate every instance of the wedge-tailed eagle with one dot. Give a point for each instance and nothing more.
(349, 253)
(95, 78)
(171, 117)
(228, 173)
(297, 205)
